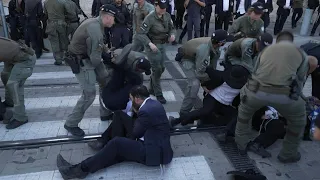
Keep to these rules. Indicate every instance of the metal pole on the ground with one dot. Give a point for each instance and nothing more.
(3, 19)
(306, 21)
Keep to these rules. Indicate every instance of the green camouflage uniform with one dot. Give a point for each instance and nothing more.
(138, 16)
(156, 30)
(18, 66)
(72, 18)
(56, 11)
(276, 68)
(92, 70)
(242, 52)
(249, 28)
(198, 54)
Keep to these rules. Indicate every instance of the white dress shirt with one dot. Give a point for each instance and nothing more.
(171, 2)
(225, 5)
(144, 102)
(224, 94)
(287, 6)
(253, 1)
(128, 109)
(241, 9)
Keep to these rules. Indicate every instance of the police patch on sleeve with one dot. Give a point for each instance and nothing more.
(249, 52)
(206, 62)
(145, 25)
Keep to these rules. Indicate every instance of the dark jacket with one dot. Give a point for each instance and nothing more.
(267, 5)
(282, 3)
(313, 4)
(247, 4)
(123, 17)
(34, 12)
(152, 124)
(219, 6)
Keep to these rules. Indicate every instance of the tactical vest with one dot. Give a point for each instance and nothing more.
(12, 49)
(189, 49)
(300, 77)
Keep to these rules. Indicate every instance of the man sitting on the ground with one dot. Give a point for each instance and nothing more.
(224, 87)
(149, 144)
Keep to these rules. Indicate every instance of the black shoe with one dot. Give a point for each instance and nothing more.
(38, 55)
(71, 171)
(76, 131)
(292, 159)
(174, 43)
(58, 63)
(45, 49)
(61, 162)
(15, 123)
(106, 118)
(96, 145)
(161, 99)
(258, 149)
(173, 121)
(7, 104)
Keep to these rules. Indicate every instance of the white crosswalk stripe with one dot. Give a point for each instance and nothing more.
(51, 129)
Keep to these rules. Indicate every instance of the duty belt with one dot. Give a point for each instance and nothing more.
(255, 86)
(159, 41)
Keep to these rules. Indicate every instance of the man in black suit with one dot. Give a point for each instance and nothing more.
(268, 8)
(220, 92)
(242, 6)
(223, 14)
(149, 144)
(282, 14)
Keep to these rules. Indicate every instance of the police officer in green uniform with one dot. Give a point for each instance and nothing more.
(249, 25)
(72, 18)
(57, 27)
(245, 50)
(140, 10)
(277, 80)
(195, 56)
(156, 30)
(86, 48)
(19, 61)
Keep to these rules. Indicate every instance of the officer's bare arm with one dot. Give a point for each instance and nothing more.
(186, 2)
(202, 4)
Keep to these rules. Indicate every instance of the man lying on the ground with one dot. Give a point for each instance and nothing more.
(149, 144)
(224, 87)
(271, 127)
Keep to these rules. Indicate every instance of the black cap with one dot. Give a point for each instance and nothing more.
(236, 76)
(162, 3)
(110, 9)
(257, 7)
(265, 40)
(221, 36)
(144, 64)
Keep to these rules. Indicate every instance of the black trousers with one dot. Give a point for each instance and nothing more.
(210, 104)
(315, 79)
(179, 18)
(238, 15)
(297, 14)
(205, 22)
(93, 8)
(222, 20)
(266, 19)
(282, 15)
(117, 150)
(120, 37)
(316, 24)
(121, 126)
(33, 35)
(275, 129)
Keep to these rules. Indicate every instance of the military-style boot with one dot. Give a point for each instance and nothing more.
(69, 171)
(258, 149)
(292, 159)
